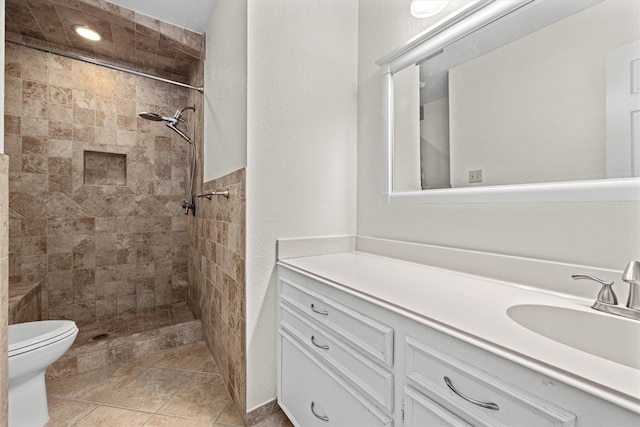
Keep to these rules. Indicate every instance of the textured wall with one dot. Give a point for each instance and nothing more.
(226, 98)
(100, 251)
(301, 145)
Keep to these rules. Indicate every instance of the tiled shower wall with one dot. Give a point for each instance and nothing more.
(99, 251)
(217, 265)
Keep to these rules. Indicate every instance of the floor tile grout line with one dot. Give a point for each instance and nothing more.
(111, 394)
(85, 415)
(176, 392)
(213, 419)
(125, 385)
(139, 410)
(115, 407)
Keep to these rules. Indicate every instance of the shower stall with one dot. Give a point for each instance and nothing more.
(97, 193)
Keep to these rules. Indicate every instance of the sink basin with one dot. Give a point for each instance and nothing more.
(604, 335)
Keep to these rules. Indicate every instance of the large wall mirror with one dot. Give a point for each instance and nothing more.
(516, 100)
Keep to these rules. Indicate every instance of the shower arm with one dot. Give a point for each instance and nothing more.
(223, 193)
(178, 114)
(178, 119)
(180, 132)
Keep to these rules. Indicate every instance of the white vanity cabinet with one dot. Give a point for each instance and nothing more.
(347, 359)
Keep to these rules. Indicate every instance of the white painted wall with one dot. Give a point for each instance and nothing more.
(301, 153)
(225, 82)
(598, 234)
(556, 75)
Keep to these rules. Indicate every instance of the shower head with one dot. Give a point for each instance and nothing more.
(172, 122)
(155, 117)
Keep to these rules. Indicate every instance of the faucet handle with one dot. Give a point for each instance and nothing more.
(631, 275)
(606, 294)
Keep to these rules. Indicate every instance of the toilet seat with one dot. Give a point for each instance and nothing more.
(29, 336)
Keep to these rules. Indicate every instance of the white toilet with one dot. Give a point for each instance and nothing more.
(33, 346)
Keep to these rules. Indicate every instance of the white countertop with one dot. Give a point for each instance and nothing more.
(474, 309)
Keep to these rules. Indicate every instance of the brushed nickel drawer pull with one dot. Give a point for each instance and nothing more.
(486, 405)
(313, 341)
(324, 312)
(320, 417)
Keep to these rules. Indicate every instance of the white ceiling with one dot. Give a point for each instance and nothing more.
(190, 14)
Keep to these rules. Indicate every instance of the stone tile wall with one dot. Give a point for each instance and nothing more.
(129, 39)
(99, 251)
(25, 303)
(217, 275)
(4, 286)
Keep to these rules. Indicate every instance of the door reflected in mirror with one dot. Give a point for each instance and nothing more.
(549, 93)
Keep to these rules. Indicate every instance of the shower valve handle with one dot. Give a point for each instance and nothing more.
(188, 206)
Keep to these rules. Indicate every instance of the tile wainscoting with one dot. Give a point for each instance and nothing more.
(217, 280)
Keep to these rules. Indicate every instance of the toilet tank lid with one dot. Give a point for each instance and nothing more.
(27, 334)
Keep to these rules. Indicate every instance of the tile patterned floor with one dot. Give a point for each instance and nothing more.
(181, 387)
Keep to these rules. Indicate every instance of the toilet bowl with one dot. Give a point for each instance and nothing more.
(33, 346)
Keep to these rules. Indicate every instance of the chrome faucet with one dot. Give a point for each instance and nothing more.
(631, 275)
(607, 300)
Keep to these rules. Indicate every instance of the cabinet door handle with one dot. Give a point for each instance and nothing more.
(320, 417)
(323, 346)
(323, 312)
(487, 405)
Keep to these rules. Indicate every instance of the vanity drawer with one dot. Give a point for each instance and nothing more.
(366, 334)
(430, 370)
(312, 395)
(370, 378)
(421, 411)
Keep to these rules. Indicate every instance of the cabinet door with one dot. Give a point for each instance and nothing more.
(311, 395)
(420, 411)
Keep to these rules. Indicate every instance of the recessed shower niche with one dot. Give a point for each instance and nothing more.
(105, 168)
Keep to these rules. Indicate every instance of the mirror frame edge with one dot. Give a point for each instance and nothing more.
(430, 42)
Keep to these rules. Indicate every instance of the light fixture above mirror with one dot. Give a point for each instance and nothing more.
(427, 8)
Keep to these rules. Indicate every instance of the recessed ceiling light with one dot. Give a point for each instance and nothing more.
(86, 32)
